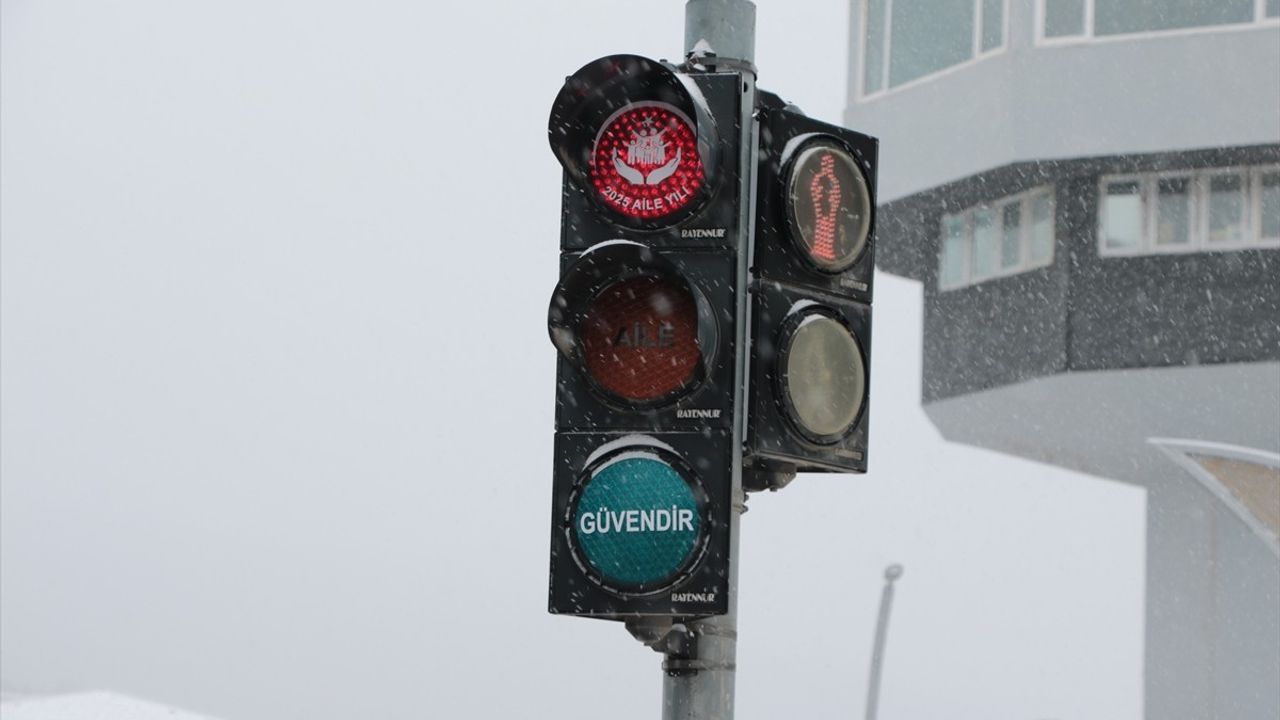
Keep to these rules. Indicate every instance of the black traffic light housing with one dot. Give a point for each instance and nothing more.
(812, 262)
(645, 324)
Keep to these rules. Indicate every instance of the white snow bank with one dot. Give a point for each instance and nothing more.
(87, 706)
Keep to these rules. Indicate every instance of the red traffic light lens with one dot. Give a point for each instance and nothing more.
(640, 339)
(829, 206)
(645, 162)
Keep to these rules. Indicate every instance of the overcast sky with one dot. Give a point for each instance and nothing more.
(277, 395)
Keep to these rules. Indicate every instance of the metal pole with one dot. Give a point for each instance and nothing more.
(724, 27)
(891, 573)
(698, 682)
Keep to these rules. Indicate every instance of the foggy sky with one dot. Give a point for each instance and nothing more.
(277, 395)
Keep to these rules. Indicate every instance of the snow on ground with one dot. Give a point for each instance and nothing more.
(87, 706)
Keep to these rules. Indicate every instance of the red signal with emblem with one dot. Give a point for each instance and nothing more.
(645, 162)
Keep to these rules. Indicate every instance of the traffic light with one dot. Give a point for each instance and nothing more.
(811, 274)
(645, 322)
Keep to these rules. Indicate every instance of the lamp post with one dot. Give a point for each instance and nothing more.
(891, 574)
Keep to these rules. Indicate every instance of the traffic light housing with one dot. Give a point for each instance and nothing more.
(811, 282)
(645, 324)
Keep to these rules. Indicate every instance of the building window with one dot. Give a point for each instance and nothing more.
(1173, 211)
(1186, 211)
(1267, 213)
(1011, 235)
(1061, 20)
(1122, 215)
(909, 40)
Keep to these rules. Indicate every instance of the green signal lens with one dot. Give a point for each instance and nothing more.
(637, 523)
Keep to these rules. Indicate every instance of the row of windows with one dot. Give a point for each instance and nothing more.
(1147, 213)
(908, 40)
(904, 40)
(1218, 209)
(1010, 236)
(1081, 19)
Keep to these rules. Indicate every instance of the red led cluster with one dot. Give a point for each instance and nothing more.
(824, 191)
(640, 339)
(645, 163)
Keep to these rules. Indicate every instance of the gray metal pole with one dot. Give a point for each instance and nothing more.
(725, 27)
(698, 683)
(891, 573)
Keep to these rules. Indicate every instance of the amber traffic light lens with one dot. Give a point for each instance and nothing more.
(824, 377)
(639, 339)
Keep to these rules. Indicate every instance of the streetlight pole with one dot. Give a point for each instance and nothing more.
(891, 574)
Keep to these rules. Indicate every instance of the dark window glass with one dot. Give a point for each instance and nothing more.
(1041, 229)
(1226, 209)
(1113, 17)
(1122, 215)
(873, 58)
(1011, 236)
(928, 36)
(953, 240)
(992, 24)
(1063, 18)
(986, 244)
(1270, 200)
(1173, 211)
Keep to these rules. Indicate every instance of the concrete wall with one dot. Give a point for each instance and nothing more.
(1213, 620)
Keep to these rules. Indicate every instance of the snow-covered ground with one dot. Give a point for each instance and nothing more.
(87, 706)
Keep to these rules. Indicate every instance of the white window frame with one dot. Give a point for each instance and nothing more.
(1025, 200)
(1260, 20)
(1148, 184)
(976, 53)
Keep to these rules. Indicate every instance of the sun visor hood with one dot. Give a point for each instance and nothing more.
(602, 87)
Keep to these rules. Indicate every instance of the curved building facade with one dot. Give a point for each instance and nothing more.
(1089, 193)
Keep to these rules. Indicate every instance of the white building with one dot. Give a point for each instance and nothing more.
(1089, 192)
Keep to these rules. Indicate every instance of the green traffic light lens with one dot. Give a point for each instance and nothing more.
(637, 523)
